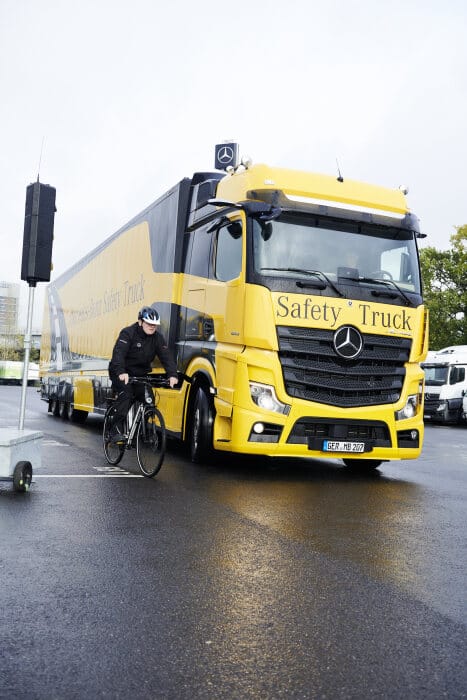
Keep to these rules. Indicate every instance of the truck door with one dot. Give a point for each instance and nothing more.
(226, 288)
(225, 295)
(213, 291)
(194, 329)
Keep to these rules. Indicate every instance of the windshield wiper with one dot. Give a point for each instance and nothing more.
(386, 283)
(314, 273)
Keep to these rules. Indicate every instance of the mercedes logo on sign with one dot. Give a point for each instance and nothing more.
(226, 155)
(348, 342)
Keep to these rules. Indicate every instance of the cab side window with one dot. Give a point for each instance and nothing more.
(457, 375)
(228, 256)
(199, 252)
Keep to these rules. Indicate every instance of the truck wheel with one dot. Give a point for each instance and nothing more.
(22, 476)
(54, 407)
(201, 428)
(74, 415)
(362, 465)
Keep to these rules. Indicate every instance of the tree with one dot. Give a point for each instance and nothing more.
(9, 346)
(12, 348)
(445, 291)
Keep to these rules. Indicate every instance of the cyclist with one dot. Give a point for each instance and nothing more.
(134, 350)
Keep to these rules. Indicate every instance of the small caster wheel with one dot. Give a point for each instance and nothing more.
(22, 476)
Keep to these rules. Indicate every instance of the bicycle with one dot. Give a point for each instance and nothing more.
(145, 427)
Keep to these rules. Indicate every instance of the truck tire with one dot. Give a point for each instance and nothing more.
(74, 415)
(201, 427)
(54, 407)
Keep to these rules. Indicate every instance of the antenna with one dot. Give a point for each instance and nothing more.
(40, 159)
(339, 178)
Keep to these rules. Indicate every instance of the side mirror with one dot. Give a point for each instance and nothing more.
(235, 229)
(266, 230)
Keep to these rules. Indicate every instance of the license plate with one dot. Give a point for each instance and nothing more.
(342, 446)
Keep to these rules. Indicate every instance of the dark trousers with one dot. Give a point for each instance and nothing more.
(126, 394)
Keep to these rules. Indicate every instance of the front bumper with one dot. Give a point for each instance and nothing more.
(377, 434)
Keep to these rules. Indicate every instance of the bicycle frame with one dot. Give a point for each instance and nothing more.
(134, 416)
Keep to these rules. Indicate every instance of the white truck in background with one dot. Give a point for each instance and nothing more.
(446, 384)
(11, 372)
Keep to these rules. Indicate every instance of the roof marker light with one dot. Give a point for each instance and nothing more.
(343, 205)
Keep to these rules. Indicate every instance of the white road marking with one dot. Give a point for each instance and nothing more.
(104, 471)
(54, 443)
(88, 476)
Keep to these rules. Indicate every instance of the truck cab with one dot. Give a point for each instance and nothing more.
(446, 384)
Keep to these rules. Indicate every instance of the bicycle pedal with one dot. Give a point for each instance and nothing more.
(118, 439)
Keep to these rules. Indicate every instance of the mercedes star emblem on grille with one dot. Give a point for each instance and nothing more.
(348, 342)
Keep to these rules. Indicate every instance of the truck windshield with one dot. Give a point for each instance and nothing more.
(294, 246)
(435, 375)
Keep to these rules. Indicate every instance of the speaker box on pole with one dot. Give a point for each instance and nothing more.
(38, 233)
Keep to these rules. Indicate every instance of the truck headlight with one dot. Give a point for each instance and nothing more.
(265, 397)
(410, 409)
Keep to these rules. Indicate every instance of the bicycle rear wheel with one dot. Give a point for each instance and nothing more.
(150, 442)
(113, 451)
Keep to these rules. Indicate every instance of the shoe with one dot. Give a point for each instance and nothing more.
(118, 437)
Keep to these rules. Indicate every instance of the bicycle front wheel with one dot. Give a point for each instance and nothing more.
(113, 451)
(150, 442)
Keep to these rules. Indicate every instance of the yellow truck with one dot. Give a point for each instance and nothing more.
(291, 300)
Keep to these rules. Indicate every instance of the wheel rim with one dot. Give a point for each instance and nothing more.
(27, 478)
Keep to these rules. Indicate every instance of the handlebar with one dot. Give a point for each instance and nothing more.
(160, 380)
(153, 380)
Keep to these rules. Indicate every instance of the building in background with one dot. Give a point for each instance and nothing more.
(9, 308)
(12, 328)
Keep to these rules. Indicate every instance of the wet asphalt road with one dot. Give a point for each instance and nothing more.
(234, 580)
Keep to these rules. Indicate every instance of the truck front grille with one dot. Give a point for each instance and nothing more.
(312, 431)
(313, 371)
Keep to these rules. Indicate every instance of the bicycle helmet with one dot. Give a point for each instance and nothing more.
(149, 315)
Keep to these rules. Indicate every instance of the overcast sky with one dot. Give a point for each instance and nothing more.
(125, 98)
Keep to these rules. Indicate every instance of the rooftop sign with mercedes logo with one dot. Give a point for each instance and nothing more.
(226, 155)
(348, 342)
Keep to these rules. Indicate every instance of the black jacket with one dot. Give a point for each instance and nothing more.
(134, 352)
